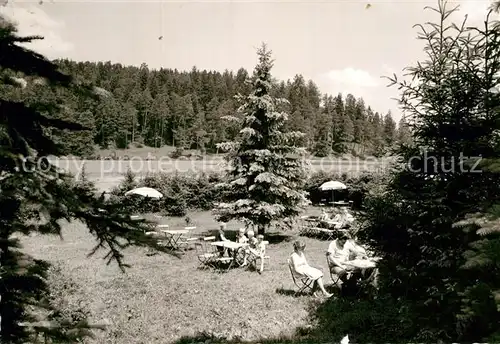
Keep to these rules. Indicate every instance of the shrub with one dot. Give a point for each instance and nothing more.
(177, 153)
(190, 191)
(182, 192)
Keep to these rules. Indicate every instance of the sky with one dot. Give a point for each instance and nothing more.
(343, 46)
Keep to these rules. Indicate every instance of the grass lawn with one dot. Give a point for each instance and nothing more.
(162, 298)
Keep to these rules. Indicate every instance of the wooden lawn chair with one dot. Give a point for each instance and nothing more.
(221, 260)
(157, 230)
(302, 282)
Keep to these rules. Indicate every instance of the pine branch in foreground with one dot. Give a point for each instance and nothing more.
(35, 196)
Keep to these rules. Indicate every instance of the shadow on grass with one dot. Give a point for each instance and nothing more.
(274, 238)
(278, 237)
(291, 292)
(209, 338)
(333, 318)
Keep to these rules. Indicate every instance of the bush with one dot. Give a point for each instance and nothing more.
(190, 191)
(177, 153)
(182, 192)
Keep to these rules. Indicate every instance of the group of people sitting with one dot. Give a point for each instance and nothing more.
(341, 220)
(255, 248)
(340, 252)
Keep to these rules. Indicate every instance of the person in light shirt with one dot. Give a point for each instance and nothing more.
(340, 252)
(241, 238)
(347, 218)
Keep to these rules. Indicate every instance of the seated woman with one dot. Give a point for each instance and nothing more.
(301, 267)
(325, 221)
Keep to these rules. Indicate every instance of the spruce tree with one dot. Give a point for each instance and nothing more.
(35, 196)
(266, 174)
(429, 262)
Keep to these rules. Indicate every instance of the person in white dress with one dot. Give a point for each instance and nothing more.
(301, 267)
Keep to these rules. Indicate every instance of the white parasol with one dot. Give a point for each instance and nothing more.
(332, 185)
(146, 192)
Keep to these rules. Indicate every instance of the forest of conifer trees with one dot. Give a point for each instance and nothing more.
(187, 109)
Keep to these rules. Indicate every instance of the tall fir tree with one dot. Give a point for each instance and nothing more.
(266, 175)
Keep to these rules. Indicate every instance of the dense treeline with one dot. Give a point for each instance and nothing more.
(187, 110)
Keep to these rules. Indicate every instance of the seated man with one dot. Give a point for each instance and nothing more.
(221, 237)
(338, 255)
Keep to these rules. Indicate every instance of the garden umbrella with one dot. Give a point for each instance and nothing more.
(146, 192)
(332, 185)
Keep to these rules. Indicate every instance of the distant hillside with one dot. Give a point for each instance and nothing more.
(185, 109)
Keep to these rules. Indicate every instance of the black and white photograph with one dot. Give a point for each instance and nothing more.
(271, 172)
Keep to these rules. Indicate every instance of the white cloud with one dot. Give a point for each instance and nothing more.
(352, 77)
(476, 11)
(32, 20)
(361, 83)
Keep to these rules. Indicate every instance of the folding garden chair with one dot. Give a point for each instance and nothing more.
(335, 278)
(305, 282)
(324, 233)
(303, 225)
(206, 257)
(215, 260)
(185, 241)
(310, 223)
(223, 263)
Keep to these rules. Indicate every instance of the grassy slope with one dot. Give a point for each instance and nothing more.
(162, 298)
